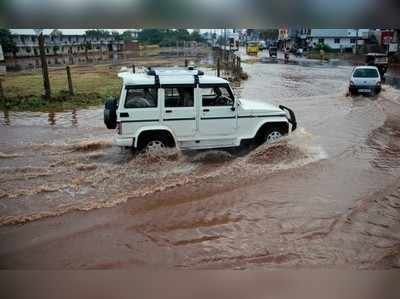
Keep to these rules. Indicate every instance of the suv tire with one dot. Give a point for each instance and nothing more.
(155, 142)
(270, 134)
(110, 113)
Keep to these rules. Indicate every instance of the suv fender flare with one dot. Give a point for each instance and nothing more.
(269, 121)
(153, 128)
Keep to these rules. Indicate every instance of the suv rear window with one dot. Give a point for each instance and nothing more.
(365, 73)
(141, 98)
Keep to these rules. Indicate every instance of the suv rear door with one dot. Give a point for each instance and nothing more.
(179, 109)
(139, 107)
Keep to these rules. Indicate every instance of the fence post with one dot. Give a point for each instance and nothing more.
(186, 63)
(218, 67)
(133, 68)
(70, 87)
(1, 89)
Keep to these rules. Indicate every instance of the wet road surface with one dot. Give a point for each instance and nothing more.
(327, 196)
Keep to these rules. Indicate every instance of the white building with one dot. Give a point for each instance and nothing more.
(61, 44)
(338, 38)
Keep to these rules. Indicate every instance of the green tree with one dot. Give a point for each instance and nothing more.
(97, 33)
(269, 34)
(116, 35)
(151, 36)
(127, 36)
(56, 32)
(196, 36)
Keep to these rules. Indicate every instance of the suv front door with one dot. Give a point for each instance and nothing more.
(218, 115)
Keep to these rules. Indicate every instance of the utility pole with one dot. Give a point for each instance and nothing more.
(356, 52)
(45, 71)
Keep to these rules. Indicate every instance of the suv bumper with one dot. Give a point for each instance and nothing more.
(364, 89)
(123, 141)
(292, 117)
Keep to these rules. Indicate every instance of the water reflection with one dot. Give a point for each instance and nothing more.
(52, 118)
(6, 117)
(74, 119)
(87, 118)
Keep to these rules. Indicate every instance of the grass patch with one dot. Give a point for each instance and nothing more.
(57, 102)
(92, 85)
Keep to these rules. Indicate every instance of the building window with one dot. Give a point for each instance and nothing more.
(352, 40)
(321, 40)
(337, 40)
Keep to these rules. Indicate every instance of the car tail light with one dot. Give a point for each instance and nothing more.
(119, 128)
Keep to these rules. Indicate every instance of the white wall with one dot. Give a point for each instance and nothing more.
(344, 42)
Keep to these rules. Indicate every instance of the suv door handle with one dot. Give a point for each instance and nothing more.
(168, 111)
(206, 110)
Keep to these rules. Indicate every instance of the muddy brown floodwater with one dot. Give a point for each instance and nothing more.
(327, 196)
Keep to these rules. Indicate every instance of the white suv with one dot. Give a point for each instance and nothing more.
(168, 107)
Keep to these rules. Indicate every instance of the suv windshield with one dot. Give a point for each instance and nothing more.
(365, 73)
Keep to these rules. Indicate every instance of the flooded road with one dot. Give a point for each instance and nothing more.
(327, 196)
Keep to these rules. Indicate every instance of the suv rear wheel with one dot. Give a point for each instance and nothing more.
(155, 142)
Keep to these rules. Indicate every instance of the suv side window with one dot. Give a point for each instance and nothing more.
(217, 96)
(141, 98)
(179, 97)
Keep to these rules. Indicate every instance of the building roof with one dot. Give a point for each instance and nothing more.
(337, 32)
(365, 67)
(48, 31)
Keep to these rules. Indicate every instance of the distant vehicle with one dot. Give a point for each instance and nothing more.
(273, 52)
(299, 52)
(365, 79)
(286, 52)
(379, 60)
(262, 45)
(182, 107)
(252, 48)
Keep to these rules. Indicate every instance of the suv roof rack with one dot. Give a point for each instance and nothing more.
(176, 71)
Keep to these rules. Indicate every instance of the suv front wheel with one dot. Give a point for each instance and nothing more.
(270, 134)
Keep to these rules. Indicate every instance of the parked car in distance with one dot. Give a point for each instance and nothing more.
(262, 45)
(252, 48)
(182, 107)
(365, 79)
(380, 60)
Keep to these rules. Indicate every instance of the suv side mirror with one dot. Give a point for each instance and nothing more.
(234, 105)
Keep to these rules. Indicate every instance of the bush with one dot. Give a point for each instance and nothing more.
(323, 47)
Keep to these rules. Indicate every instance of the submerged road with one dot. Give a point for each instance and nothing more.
(327, 196)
